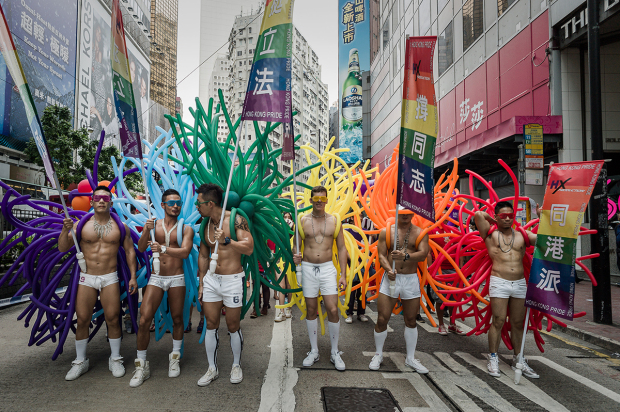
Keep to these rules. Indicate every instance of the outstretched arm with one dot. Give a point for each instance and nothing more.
(130, 255)
(65, 240)
(483, 223)
(203, 265)
(383, 256)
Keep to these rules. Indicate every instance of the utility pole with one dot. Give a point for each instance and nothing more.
(601, 294)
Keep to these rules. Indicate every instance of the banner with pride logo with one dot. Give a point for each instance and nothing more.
(418, 129)
(551, 287)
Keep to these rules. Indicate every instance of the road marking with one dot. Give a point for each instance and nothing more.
(616, 362)
(465, 379)
(579, 378)
(525, 388)
(281, 377)
(431, 329)
(373, 315)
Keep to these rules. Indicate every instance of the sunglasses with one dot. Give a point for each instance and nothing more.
(506, 216)
(319, 199)
(105, 198)
(172, 203)
(197, 203)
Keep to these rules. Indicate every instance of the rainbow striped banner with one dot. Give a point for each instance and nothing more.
(551, 285)
(19, 79)
(418, 129)
(268, 97)
(123, 90)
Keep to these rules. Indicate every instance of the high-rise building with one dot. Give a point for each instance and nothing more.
(164, 19)
(216, 19)
(333, 122)
(178, 106)
(220, 80)
(309, 97)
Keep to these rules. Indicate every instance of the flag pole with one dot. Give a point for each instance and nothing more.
(79, 254)
(520, 357)
(156, 263)
(393, 282)
(294, 199)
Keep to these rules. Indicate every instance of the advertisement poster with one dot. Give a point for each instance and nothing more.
(95, 105)
(353, 59)
(551, 286)
(44, 33)
(418, 129)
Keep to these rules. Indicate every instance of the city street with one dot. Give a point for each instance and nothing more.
(574, 375)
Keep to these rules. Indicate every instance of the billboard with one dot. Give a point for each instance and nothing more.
(44, 33)
(95, 99)
(353, 59)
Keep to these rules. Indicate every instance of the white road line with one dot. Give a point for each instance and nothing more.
(464, 379)
(429, 328)
(373, 315)
(281, 377)
(579, 378)
(525, 387)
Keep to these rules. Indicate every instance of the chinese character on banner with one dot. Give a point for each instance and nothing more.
(276, 7)
(421, 109)
(417, 181)
(39, 33)
(64, 54)
(359, 11)
(558, 214)
(555, 245)
(419, 144)
(464, 110)
(54, 46)
(262, 86)
(476, 115)
(549, 280)
(269, 35)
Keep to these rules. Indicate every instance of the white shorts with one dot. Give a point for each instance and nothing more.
(406, 286)
(502, 288)
(223, 288)
(98, 282)
(167, 282)
(318, 276)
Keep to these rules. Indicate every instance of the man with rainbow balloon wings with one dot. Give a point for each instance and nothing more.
(101, 238)
(404, 274)
(168, 276)
(507, 288)
(225, 286)
(319, 273)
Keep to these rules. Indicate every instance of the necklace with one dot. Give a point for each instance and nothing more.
(209, 237)
(324, 229)
(406, 243)
(512, 241)
(167, 232)
(102, 230)
(318, 217)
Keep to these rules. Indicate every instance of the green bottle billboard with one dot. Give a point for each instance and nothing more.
(353, 59)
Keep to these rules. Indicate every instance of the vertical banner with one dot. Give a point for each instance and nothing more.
(123, 90)
(353, 59)
(17, 73)
(418, 129)
(551, 286)
(268, 97)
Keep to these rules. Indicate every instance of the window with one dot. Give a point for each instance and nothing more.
(240, 32)
(250, 40)
(251, 51)
(473, 22)
(250, 30)
(502, 6)
(240, 63)
(441, 4)
(386, 33)
(239, 53)
(445, 57)
(425, 16)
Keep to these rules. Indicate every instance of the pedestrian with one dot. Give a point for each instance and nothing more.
(263, 298)
(285, 313)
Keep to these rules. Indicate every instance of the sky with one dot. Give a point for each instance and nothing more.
(317, 21)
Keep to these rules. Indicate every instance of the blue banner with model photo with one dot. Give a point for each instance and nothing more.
(44, 33)
(353, 59)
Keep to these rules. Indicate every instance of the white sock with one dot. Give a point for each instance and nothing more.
(411, 339)
(212, 341)
(334, 333)
(176, 345)
(379, 341)
(80, 349)
(115, 347)
(236, 343)
(142, 355)
(312, 327)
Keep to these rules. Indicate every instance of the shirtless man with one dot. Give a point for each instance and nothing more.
(170, 279)
(319, 273)
(507, 288)
(225, 286)
(407, 285)
(101, 239)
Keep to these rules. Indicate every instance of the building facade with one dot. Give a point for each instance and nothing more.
(220, 80)
(178, 106)
(164, 20)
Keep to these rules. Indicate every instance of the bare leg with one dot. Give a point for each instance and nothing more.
(176, 301)
(331, 306)
(150, 301)
(110, 301)
(311, 307)
(385, 304)
(411, 308)
(499, 307)
(212, 311)
(517, 317)
(86, 299)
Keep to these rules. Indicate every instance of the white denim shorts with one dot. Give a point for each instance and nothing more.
(318, 276)
(98, 282)
(167, 282)
(502, 288)
(223, 288)
(406, 286)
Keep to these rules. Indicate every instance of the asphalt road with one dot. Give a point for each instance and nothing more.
(574, 375)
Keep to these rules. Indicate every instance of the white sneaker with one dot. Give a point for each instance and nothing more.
(375, 363)
(337, 361)
(311, 359)
(236, 375)
(493, 366)
(362, 318)
(279, 315)
(78, 368)
(287, 313)
(116, 367)
(174, 367)
(142, 373)
(416, 365)
(208, 377)
(527, 371)
(349, 319)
